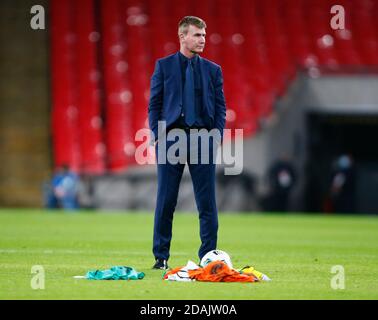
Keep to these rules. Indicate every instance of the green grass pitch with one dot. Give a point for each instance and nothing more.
(296, 251)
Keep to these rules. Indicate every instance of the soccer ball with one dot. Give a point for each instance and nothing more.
(216, 255)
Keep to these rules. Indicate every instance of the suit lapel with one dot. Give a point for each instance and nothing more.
(178, 75)
(205, 82)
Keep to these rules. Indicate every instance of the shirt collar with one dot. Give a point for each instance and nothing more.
(185, 59)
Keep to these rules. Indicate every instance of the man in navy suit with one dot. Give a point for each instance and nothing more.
(186, 93)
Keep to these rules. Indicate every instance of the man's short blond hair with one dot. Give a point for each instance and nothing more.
(185, 22)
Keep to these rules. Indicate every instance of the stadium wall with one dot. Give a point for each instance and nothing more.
(24, 112)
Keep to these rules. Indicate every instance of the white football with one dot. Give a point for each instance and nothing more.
(216, 255)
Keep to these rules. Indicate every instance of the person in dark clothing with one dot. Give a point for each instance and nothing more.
(282, 179)
(343, 185)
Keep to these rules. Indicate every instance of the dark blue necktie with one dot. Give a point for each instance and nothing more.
(188, 96)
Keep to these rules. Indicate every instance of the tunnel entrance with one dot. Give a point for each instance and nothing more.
(330, 136)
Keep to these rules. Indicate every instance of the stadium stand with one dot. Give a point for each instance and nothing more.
(103, 53)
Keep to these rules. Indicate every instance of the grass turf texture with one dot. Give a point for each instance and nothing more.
(296, 251)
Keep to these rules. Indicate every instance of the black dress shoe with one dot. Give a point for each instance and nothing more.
(160, 264)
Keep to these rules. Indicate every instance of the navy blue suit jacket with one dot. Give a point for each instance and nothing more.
(166, 94)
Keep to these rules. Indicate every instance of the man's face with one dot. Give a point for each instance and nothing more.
(194, 40)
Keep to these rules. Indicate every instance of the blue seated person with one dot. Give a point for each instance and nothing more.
(63, 188)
